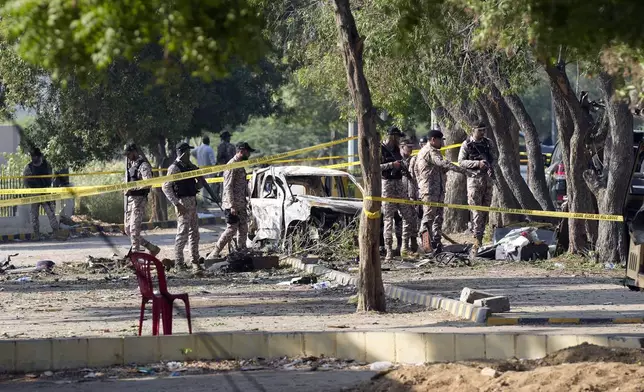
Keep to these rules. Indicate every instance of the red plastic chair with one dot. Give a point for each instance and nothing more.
(162, 300)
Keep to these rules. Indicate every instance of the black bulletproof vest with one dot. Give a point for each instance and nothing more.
(187, 187)
(387, 156)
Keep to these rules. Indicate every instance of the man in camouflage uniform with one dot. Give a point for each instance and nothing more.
(411, 191)
(40, 167)
(412, 169)
(478, 154)
(182, 194)
(392, 187)
(138, 168)
(432, 170)
(225, 152)
(235, 203)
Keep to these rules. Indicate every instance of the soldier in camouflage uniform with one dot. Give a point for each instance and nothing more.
(392, 187)
(40, 167)
(414, 173)
(235, 203)
(411, 187)
(478, 153)
(432, 170)
(138, 168)
(183, 195)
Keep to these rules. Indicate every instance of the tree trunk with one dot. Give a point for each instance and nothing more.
(159, 201)
(371, 293)
(508, 158)
(504, 194)
(536, 172)
(573, 128)
(610, 186)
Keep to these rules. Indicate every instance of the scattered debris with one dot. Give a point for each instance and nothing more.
(323, 285)
(380, 366)
(523, 244)
(23, 279)
(310, 279)
(489, 372)
(48, 373)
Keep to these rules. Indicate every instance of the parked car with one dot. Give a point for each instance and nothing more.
(309, 200)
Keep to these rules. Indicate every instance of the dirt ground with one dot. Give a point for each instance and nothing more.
(76, 302)
(582, 368)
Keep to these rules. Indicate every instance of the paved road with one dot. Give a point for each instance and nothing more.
(268, 381)
(77, 249)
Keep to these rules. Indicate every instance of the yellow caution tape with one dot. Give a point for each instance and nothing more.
(371, 215)
(156, 181)
(515, 211)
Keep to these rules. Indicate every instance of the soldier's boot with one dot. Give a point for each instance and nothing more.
(389, 256)
(438, 248)
(399, 246)
(478, 242)
(197, 265)
(181, 265)
(215, 254)
(153, 249)
(414, 244)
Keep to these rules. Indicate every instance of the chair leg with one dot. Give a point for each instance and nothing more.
(156, 310)
(141, 316)
(187, 303)
(167, 317)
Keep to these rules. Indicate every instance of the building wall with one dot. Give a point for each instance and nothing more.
(9, 140)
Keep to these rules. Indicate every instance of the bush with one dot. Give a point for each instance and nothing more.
(107, 207)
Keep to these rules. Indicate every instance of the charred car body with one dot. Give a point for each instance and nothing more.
(303, 199)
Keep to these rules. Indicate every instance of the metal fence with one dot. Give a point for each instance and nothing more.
(10, 183)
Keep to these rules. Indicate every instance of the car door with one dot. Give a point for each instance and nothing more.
(268, 208)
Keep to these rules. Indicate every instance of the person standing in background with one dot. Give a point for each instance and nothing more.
(40, 167)
(67, 206)
(205, 156)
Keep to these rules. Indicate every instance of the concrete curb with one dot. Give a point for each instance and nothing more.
(457, 308)
(495, 321)
(115, 228)
(401, 347)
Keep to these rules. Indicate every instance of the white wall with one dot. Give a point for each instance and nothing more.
(9, 140)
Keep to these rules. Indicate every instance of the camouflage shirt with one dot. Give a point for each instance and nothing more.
(431, 169)
(235, 187)
(410, 184)
(225, 152)
(143, 171)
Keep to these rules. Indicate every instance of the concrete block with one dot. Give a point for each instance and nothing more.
(440, 347)
(530, 346)
(470, 295)
(625, 342)
(499, 346)
(285, 345)
(596, 340)
(498, 304)
(141, 349)
(33, 355)
(249, 345)
(214, 346)
(104, 352)
(178, 347)
(351, 345)
(410, 347)
(470, 346)
(7, 356)
(559, 342)
(319, 344)
(381, 346)
(69, 353)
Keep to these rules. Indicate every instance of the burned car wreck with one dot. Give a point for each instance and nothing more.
(286, 200)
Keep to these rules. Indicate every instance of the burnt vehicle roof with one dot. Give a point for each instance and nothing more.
(302, 171)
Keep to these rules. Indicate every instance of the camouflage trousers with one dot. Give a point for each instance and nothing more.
(187, 230)
(394, 189)
(133, 219)
(479, 193)
(432, 219)
(240, 228)
(34, 212)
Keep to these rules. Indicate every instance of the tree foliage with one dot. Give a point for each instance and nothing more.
(66, 37)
